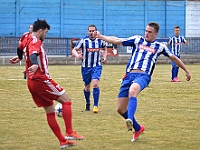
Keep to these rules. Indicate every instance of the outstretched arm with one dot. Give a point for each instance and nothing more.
(181, 64)
(109, 39)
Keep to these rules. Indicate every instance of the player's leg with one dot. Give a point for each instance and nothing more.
(96, 74)
(67, 116)
(139, 82)
(122, 104)
(123, 101)
(96, 94)
(51, 120)
(173, 71)
(86, 76)
(177, 70)
(86, 92)
(42, 98)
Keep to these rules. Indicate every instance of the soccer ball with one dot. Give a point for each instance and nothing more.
(58, 109)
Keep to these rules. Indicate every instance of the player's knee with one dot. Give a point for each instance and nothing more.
(95, 85)
(133, 93)
(120, 110)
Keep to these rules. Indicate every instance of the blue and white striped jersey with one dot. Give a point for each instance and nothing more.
(175, 44)
(91, 51)
(144, 53)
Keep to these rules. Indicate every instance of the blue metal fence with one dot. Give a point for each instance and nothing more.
(62, 46)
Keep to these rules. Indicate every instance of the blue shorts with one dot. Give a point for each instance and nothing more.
(88, 74)
(142, 78)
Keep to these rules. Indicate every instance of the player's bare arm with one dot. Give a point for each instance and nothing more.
(104, 60)
(109, 39)
(76, 54)
(186, 43)
(181, 64)
(14, 60)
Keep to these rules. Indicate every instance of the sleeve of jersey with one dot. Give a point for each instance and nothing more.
(22, 45)
(166, 52)
(184, 40)
(79, 44)
(169, 40)
(129, 41)
(34, 48)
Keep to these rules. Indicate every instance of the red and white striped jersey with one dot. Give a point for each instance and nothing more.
(35, 46)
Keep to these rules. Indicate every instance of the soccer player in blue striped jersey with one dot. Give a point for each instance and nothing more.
(145, 51)
(175, 42)
(93, 53)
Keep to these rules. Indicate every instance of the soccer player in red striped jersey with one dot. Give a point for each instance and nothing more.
(44, 89)
(26, 34)
(22, 42)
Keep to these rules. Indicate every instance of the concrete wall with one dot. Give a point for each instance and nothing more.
(62, 60)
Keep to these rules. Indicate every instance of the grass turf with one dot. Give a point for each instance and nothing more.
(169, 111)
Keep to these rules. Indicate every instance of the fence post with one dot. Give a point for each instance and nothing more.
(67, 47)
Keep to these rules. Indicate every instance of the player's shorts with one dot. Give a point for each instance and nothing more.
(142, 78)
(90, 73)
(44, 91)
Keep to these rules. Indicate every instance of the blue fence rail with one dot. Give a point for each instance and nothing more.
(63, 46)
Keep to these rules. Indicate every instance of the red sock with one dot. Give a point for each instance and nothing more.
(67, 116)
(51, 119)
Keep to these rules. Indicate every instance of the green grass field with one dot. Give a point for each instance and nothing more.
(169, 111)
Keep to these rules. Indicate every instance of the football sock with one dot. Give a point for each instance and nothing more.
(136, 126)
(176, 71)
(96, 92)
(87, 96)
(67, 116)
(173, 72)
(125, 115)
(132, 106)
(51, 119)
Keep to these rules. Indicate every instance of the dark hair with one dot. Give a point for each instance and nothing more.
(92, 25)
(40, 24)
(154, 25)
(176, 27)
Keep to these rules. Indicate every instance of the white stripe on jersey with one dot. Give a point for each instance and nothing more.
(91, 51)
(175, 44)
(144, 53)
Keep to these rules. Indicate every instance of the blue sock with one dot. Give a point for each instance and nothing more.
(132, 106)
(96, 93)
(136, 126)
(87, 96)
(125, 115)
(176, 71)
(173, 72)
